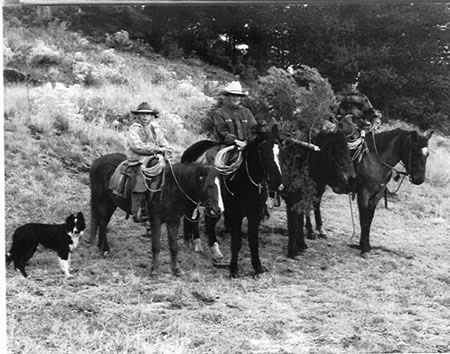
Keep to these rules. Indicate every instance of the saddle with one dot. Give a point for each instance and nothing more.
(123, 180)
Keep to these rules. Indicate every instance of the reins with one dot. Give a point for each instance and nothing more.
(227, 170)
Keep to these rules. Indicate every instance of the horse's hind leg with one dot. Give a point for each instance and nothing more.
(318, 213)
(296, 242)
(309, 229)
(172, 232)
(104, 216)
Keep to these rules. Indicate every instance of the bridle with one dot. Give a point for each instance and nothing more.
(405, 173)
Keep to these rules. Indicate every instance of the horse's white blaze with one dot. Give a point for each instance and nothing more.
(276, 154)
(425, 151)
(221, 205)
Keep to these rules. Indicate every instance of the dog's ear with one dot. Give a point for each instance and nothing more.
(70, 222)
(80, 216)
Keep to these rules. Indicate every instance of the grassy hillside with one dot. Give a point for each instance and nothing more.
(329, 301)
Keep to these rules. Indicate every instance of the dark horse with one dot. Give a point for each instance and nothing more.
(332, 166)
(385, 151)
(244, 192)
(186, 185)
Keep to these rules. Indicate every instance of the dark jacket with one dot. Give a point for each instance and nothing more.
(233, 123)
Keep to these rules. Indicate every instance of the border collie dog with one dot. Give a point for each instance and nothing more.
(62, 238)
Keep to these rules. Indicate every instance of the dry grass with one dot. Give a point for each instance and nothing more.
(330, 300)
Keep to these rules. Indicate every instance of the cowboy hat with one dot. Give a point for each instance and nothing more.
(234, 88)
(144, 108)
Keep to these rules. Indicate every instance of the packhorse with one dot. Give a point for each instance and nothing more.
(245, 190)
(332, 166)
(380, 155)
(186, 186)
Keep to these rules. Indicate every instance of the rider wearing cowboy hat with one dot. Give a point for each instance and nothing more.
(144, 138)
(233, 122)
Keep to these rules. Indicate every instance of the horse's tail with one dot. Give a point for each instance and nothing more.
(99, 174)
(94, 220)
(193, 152)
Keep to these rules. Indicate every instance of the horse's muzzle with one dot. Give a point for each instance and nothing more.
(416, 179)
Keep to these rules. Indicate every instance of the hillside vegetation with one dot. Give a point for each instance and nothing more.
(330, 301)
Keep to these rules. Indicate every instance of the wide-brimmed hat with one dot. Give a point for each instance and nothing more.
(234, 88)
(144, 108)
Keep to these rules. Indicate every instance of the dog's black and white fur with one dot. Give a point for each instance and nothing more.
(62, 238)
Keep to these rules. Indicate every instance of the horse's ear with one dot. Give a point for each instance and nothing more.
(414, 136)
(428, 134)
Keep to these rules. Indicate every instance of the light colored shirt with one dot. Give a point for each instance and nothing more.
(143, 141)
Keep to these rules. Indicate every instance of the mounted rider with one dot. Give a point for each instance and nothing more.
(145, 139)
(233, 123)
(356, 107)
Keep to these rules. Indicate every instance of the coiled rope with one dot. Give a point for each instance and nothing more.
(149, 172)
(220, 161)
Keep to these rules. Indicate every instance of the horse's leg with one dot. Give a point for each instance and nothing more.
(210, 228)
(104, 216)
(155, 221)
(366, 206)
(236, 244)
(308, 226)
(296, 242)
(320, 189)
(253, 242)
(191, 232)
(172, 234)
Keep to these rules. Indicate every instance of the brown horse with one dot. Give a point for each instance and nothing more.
(186, 185)
(385, 151)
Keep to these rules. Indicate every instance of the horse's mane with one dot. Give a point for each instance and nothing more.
(193, 152)
(328, 137)
(385, 138)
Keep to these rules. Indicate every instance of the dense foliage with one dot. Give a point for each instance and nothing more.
(401, 51)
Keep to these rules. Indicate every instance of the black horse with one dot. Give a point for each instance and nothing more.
(384, 151)
(244, 192)
(332, 166)
(186, 186)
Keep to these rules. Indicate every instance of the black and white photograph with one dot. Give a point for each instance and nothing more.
(225, 177)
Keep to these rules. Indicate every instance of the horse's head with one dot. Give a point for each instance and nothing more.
(210, 193)
(267, 140)
(414, 154)
(335, 165)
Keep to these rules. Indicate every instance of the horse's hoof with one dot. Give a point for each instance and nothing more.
(105, 253)
(216, 254)
(154, 273)
(311, 236)
(322, 233)
(365, 255)
(177, 272)
(198, 245)
(234, 275)
(260, 270)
